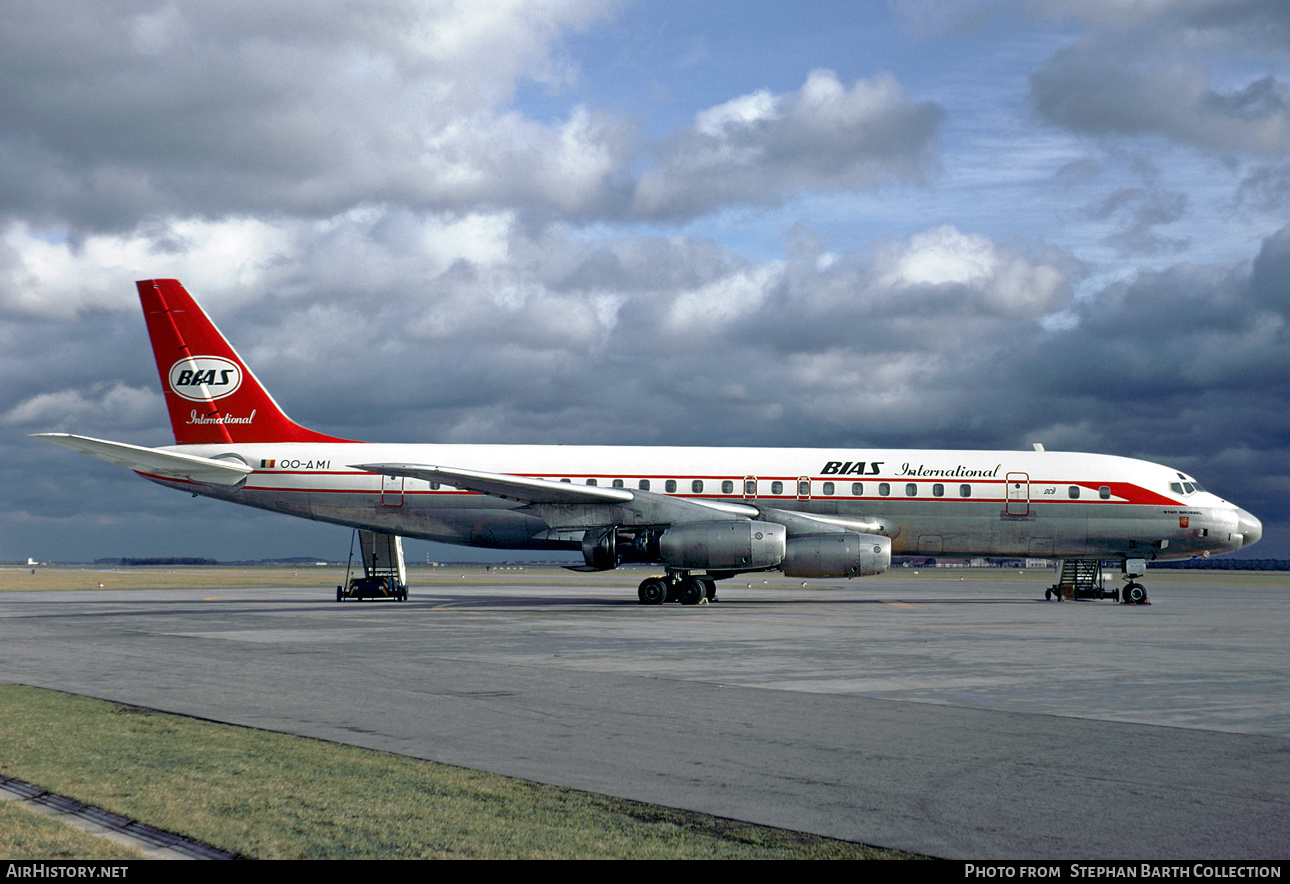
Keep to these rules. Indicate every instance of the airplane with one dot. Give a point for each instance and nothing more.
(702, 514)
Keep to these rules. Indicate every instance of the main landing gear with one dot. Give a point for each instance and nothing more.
(683, 588)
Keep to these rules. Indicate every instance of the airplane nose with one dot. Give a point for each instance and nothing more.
(1251, 528)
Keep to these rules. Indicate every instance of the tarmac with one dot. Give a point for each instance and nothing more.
(967, 720)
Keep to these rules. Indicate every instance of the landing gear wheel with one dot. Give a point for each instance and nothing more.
(1134, 594)
(652, 591)
(340, 594)
(691, 591)
(710, 586)
(1048, 595)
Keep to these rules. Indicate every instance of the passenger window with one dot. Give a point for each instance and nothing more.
(857, 488)
(884, 488)
(938, 490)
(1104, 492)
(591, 482)
(618, 483)
(567, 481)
(1073, 492)
(669, 486)
(965, 491)
(643, 484)
(696, 486)
(803, 489)
(911, 490)
(776, 487)
(750, 487)
(434, 486)
(727, 487)
(828, 488)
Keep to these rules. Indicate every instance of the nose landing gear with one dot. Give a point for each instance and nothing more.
(1135, 594)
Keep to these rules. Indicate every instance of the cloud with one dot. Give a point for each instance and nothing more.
(116, 110)
(1172, 69)
(1143, 209)
(760, 148)
(66, 409)
(1089, 91)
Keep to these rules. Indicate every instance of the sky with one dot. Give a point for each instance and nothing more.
(924, 223)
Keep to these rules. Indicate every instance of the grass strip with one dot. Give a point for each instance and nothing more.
(28, 835)
(267, 795)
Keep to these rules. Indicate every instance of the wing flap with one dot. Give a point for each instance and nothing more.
(154, 462)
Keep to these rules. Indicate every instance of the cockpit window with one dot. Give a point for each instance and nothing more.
(1176, 487)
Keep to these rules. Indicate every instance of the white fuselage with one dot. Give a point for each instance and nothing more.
(966, 503)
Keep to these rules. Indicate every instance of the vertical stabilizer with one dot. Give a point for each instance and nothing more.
(211, 394)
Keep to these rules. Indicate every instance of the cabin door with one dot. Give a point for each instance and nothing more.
(1017, 496)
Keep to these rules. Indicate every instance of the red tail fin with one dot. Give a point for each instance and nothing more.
(211, 394)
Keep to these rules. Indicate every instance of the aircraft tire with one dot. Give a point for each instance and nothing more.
(710, 589)
(652, 591)
(1134, 594)
(692, 591)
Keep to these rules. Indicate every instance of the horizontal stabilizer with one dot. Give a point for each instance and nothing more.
(520, 488)
(154, 462)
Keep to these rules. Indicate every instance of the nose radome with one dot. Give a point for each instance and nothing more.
(1251, 528)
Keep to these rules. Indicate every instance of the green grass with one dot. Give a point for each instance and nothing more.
(267, 795)
(27, 835)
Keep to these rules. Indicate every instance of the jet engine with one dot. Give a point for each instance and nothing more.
(723, 546)
(839, 554)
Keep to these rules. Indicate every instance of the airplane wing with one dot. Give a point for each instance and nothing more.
(818, 523)
(520, 488)
(153, 462)
(545, 491)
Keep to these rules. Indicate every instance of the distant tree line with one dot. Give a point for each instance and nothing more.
(175, 560)
(1227, 565)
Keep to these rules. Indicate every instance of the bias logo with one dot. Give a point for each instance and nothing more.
(203, 378)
